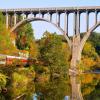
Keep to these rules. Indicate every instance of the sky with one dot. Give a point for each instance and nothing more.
(40, 27)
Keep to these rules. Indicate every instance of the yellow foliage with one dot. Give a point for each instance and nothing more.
(33, 51)
(88, 62)
(87, 78)
(87, 90)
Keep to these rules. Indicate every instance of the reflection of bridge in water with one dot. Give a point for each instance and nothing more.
(76, 44)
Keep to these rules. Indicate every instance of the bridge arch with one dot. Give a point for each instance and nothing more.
(25, 21)
(86, 36)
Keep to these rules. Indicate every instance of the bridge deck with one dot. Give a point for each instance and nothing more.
(53, 9)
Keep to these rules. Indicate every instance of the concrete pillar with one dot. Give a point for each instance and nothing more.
(31, 15)
(65, 23)
(15, 19)
(26, 16)
(39, 14)
(74, 25)
(11, 20)
(7, 20)
(34, 15)
(96, 17)
(23, 16)
(42, 15)
(78, 23)
(59, 19)
(87, 21)
(50, 17)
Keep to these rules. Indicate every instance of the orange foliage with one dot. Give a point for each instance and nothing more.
(87, 78)
(88, 62)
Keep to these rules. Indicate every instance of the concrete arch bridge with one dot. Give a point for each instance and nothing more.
(76, 44)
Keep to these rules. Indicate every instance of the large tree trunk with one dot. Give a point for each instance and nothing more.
(74, 70)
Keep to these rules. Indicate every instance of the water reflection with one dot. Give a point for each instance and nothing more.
(60, 89)
(38, 96)
(55, 90)
(91, 86)
(67, 98)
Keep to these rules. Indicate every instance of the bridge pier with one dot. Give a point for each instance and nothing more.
(87, 21)
(15, 19)
(74, 69)
(50, 17)
(58, 19)
(96, 13)
(7, 18)
(66, 23)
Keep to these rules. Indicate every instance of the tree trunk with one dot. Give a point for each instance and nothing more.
(74, 70)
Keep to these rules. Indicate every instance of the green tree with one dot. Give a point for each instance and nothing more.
(95, 40)
(52, 55)
(2, 22)
(7, 46)
(24, 35)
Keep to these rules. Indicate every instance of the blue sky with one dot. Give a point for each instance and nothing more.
(40, 27)
(47, 3)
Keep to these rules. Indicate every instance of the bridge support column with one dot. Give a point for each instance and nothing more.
(26, 16)
(23, 16)
(15, 19)
(66, 23)
(74, 70)
(74, 20)
(96, 17)
(50, 17)
(87, 21)
(7, 20)
(39, 14)
(11, 20)
(42, 15)
(35, 15)
(59, 19)
(78, 23)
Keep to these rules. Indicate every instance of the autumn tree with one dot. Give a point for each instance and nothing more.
(52, 55)
(95, 40)
(2, 22)
(7, 46)
(24, 34)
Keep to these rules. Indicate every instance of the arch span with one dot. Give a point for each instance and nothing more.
(25, 21)
(86, 36)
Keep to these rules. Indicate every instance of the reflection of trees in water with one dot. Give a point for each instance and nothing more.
(55, 90)
(19, 83)
(90, 86)
(95, 94)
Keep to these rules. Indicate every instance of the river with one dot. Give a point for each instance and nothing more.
(57, 89)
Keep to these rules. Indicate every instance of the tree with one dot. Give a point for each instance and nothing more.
(89, 56)
(24, 34)
(95, 40)
(2, 22)
(52, 55)
(7, 46)
(25, 40)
